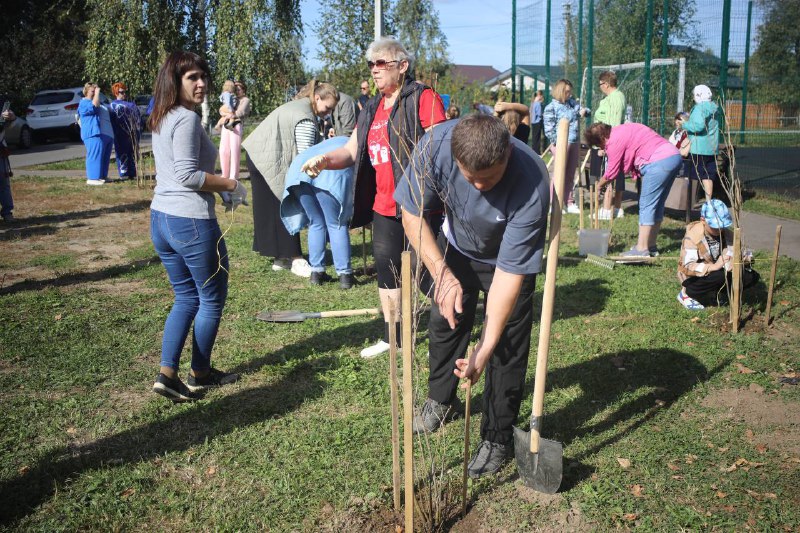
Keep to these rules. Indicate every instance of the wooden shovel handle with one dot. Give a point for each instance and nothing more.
(349, 312)
(549, 281)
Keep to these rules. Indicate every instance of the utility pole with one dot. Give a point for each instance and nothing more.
(567, 37)
(378, 19)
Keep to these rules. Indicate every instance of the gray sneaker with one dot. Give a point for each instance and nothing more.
(434, 415)
(488, 459)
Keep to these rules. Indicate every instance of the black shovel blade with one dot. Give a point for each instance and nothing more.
(540, 471)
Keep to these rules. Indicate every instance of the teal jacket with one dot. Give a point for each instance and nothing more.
(703, 129)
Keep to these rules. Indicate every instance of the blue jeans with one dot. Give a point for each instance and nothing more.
(188, 249)
(6, 201)
(323, 214)
(657, 179)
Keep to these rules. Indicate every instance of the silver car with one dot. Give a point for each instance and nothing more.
(56, 111)
(19, 133)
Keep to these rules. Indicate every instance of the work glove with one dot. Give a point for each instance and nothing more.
(239, 196)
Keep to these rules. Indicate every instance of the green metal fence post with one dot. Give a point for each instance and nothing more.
(746, 78)
(580, 47)
(590, 58)
(723, 62)
(547, 52)
(513, 50)
(648, 55)
(664, 52)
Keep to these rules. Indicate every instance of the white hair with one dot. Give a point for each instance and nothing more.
(392, 47)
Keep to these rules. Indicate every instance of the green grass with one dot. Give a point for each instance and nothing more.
(302, 442)
(69, 164)
(773, 204)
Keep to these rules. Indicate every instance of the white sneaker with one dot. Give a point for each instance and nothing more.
(573, 209)
(300, 267)
(95, 182)
(620, 213)
(604, 214)
(375, 350)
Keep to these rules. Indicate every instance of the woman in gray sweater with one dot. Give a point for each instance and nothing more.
(183, 225)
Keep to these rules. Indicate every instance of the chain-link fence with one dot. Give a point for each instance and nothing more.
(757, 116)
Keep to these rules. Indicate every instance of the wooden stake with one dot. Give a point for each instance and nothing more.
(591, 206)
(736, 264)
(408, 398)
(772, 272)
(597, 208)
(395, 411)
(580, 200)
(464, 476)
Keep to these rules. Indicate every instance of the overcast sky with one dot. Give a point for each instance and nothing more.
(479, 31)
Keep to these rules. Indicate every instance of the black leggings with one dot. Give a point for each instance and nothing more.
(388, 243)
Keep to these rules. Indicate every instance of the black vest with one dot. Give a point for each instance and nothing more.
(403, 119)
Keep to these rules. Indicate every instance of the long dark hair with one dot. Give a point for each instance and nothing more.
(167, 89)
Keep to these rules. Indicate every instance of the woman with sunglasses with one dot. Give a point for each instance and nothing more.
(127, 123)
(387, 131)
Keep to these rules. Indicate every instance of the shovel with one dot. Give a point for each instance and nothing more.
(540, 461)
(297, 316)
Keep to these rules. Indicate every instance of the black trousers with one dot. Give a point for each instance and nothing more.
(536, 137)
(505, 373)
(710, 289)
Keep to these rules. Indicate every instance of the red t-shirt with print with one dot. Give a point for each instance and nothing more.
(431, 111)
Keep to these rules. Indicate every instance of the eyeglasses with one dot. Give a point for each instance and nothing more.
(365, 88)
(382, 64)
(122, 91)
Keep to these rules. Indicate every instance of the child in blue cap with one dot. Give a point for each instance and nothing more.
(705, 263)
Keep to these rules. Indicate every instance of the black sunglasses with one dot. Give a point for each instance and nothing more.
(382, 64)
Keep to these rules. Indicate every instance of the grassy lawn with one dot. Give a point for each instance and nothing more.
(773, 204)
(669, 421)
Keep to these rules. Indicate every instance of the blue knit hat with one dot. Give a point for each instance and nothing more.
(716, 214)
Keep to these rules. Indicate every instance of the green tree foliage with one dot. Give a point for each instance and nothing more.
(42, 47)
(417, 26)
(776, 62)
(344, 30)
(257, 41)
(620, 28)
(124, 45)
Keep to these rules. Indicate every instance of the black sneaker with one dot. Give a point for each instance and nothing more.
(653, 251)
(215, 378)
(488, 459)
(318, 278)
(434, 415)
(174, 389)
(346, 281)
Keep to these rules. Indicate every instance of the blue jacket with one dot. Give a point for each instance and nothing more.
(703, 129)
(339, 183)
(95, 121)
(554, 112)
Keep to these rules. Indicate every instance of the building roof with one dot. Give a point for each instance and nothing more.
(474, 73)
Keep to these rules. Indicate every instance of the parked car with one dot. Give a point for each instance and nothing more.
(55, 112)
(18, 132)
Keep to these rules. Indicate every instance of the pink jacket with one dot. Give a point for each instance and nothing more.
(632, 146)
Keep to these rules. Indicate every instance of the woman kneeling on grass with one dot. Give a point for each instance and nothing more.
(183, 225)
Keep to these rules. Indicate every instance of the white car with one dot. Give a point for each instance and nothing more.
(55, 112)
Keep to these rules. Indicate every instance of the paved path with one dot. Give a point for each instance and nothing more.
(41, 154)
